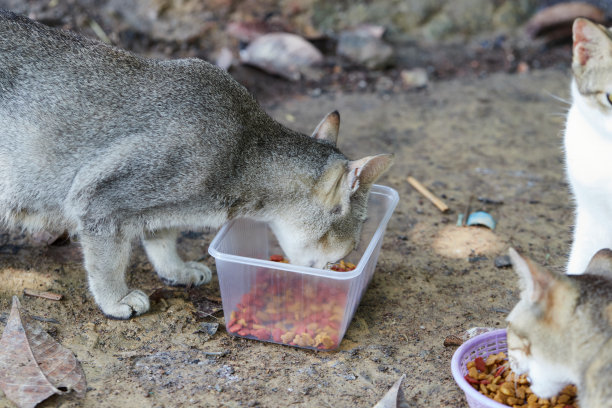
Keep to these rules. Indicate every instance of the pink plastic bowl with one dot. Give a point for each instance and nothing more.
(480, 346)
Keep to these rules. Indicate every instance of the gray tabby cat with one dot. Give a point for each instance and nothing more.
(561, 330)
(115, 148)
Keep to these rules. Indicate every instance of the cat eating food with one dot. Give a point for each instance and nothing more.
(588, 142)
(115, 148)
(560, 332)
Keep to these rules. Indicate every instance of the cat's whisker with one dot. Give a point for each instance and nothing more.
(558, 98)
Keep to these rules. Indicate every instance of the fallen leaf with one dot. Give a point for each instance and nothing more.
(33, 366)
(556, 21)
(390, 398)
(452, 340)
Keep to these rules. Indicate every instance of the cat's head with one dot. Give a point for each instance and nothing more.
(592, 69)
(327, 225)
(554, 311)
(539, 325)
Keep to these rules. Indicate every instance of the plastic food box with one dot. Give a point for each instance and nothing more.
(290, 304)
(480, 346)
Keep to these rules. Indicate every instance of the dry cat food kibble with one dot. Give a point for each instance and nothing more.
(493, 378)
(284, 308)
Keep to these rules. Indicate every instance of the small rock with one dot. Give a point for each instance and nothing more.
(246, 31)
(208, 328)
(414, 78)
(224, 59)
(364, 46)
(384, 84)
(475, 331)
(284, 54)
(225, 371)
(502, 261)
(522, 67)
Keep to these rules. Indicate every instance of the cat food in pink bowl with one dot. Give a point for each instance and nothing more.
(480, 368)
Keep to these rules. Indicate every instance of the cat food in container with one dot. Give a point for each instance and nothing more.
(291, 304)
(500, 388)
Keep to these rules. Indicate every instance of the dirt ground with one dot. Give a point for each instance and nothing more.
(492, 140)
(497, 139)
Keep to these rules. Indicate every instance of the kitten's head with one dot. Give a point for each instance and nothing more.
(539, 325)
(552, 330)
(327, 225)
(592, 69)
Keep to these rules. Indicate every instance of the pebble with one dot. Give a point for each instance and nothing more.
(502, 261)
(414, 78)
(364, 46)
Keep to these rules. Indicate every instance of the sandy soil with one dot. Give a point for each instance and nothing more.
(496, 139)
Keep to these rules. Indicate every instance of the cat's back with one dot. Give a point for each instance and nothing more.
(75, 86)
(595, 297)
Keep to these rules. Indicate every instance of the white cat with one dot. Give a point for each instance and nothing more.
(588, 142)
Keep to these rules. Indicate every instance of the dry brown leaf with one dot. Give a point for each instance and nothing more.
(33, 366)
(390, 398)
(559, 18)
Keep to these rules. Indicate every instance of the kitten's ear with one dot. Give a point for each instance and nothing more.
(367, 170)
(328, 188)
(601, 263)
(592, 43)
(535, 282)
(328, 128)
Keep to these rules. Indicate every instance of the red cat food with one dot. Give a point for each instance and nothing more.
(494, 378)
(285, 308)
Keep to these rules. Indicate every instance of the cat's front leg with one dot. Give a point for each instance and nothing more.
(590, 235)
(106, 259)
(161, 250)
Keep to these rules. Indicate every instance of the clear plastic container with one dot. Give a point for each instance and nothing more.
(291, 304)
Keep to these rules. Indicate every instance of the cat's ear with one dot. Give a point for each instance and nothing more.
(592, 43)
(341, 180)
(328, 128)
(367, 170)
(328, 188)
(601, 263)
(535, 282)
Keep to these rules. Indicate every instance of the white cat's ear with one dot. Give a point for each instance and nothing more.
(534, 282)
(328, 128)
(601, 263)
(523, 270)
(592, 43)
(367, 170)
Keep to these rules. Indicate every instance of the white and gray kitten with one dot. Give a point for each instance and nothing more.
(560, 332)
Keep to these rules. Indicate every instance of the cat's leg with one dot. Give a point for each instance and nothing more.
(106, 259)
(590, 235)
(161, 250)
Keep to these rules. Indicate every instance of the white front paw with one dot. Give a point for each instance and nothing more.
(190, 274)
(133, 304)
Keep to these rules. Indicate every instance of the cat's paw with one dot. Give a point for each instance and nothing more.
(191, 274)
(133, 304)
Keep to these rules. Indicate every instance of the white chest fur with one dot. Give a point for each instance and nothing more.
(588, 153)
